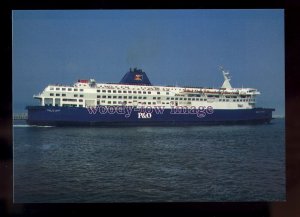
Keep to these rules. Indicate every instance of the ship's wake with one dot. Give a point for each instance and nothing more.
(26, 125)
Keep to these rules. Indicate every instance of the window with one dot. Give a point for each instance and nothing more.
(98, 96)
(140, 97)
(205, 99)
(144, 92)
(109, 91)
(57, 94)
(149, 92)
(70, 100)
(120, 97)
(184, 99)
(69, 89)
(80, 105)
(154, 97)
(180, 99)
(57, 88)
(109, 102)
(51, 94)
(51, 88)
(102, 101)
(139, 92)
(168, 98)
(81, 95)
(129, 91)
(149, 103)
(130, 97)
(103, 96)
(114, 102)
(193, 99)
(172, 98)
(124, 91)
(63, 94)
(98, 91)
(63, 89)
(103, 91)
(119, 91)
(144, 97)
(114, 91)
(81, 90)
(109, 97)
(75, 89)
(134, 91)
(158, 97)
(80, 100)
(114, 97)
(158, 92)
(125, 97)
(134, 97)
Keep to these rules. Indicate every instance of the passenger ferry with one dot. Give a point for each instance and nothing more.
(134, 101)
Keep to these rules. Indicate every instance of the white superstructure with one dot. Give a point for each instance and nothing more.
(85, 93)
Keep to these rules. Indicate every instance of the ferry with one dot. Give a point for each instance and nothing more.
(134, 101)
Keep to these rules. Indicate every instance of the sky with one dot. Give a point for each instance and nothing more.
(174, 47)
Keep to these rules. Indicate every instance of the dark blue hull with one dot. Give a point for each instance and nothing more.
(129, 116)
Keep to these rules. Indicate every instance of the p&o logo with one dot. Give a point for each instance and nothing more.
(144, 115)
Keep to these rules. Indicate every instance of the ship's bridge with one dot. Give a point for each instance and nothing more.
(85, 83)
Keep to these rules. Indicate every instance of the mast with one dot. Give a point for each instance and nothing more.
(226, 83)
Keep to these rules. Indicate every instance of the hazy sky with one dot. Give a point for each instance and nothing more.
(183, 47)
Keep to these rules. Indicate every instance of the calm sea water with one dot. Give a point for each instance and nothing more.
(149, 164)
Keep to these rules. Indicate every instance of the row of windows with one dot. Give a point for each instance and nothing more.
(72, 100)
(108, 91)
(128, 102)
(64, 89)
(238, 100)
(156, 98)
(243, 100)
(63, 94)
(125, 91)
(129, 91)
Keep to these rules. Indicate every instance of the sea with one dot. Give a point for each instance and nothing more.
(239, 163)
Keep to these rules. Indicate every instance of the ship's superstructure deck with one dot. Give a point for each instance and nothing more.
(88, 93)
